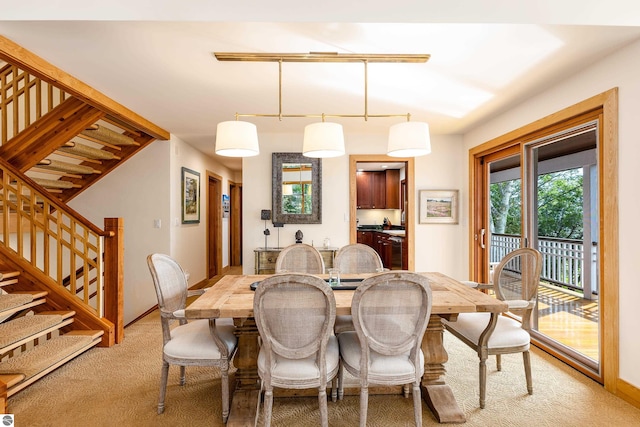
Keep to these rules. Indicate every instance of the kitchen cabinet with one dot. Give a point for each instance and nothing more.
(366, 238)
(378, 190)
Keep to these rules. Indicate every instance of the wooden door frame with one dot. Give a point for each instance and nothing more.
(235, 224)
(411, 197)
(607, 104)
(214, 223)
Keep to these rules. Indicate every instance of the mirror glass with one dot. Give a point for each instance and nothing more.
(296, 188)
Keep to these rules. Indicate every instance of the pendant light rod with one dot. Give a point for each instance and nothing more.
(322, 57)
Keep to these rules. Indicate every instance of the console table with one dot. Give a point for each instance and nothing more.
(265, 258)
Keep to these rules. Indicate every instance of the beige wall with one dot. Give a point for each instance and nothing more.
(618, 70)
(439, 245)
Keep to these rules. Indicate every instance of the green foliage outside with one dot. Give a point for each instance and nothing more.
(299, 202)
(560, 207)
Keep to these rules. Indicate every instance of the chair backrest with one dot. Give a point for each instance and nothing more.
(170, 282)
(295, 315)
(516, 280)
(300, 258)
(357, 258)
(390, 314)
(171, 287)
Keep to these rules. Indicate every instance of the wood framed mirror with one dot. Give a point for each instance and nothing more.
(297, 189)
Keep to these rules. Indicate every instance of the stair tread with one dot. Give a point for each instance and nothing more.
(9, 301)
(45, 355)
(18, 329)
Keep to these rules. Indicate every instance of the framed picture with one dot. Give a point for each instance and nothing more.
(439, 206)
(190, 196)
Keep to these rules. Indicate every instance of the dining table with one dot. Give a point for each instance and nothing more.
(232, 297)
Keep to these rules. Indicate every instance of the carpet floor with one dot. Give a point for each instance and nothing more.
(119, 386)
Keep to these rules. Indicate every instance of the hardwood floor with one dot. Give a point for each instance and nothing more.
(569, 319)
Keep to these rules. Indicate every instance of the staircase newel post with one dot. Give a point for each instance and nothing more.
(114, 275)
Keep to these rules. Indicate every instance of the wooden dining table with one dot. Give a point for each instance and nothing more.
(232, 297)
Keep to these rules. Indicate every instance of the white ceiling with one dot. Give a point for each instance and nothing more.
(157, 58)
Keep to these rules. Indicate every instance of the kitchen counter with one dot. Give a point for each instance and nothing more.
(398, 233)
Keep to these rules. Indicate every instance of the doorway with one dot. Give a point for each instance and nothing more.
(407, 201)
(549, 186)
(214, 224)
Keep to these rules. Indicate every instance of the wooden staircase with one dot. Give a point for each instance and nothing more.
(35, 342)
(58, 136)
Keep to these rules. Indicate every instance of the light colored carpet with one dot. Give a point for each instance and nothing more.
(119, 386)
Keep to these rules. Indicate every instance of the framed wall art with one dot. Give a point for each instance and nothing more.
(438, 206)
(190, 196)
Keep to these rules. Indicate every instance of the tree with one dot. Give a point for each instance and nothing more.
(559, 205)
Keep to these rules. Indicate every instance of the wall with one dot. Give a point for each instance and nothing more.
(147, 188)
(137, 192)
(439, 245)
(618, 70)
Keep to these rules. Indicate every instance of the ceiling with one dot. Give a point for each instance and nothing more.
(159, 63)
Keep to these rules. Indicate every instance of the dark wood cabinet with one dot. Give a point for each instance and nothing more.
(366, 238)
(392, 189)
(364, 190)
(378, 190)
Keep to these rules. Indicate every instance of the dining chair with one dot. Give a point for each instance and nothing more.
(354, 258)
(300, 258)
(196, 343)
(294, 314)
(390, 313)
(515, 280)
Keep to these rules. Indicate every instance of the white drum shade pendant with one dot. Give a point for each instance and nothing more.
(409, 139)
(323, 140)
(237, 139)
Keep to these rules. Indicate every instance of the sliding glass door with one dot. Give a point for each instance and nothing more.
(542, 192)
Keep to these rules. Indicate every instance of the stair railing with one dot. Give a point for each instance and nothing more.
(24, 98)
(58, 241)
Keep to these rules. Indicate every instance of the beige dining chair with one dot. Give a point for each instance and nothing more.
(515, 281)
(294, 314)
(390, 312)
(300, 258)
(354, 258)
(195, 343)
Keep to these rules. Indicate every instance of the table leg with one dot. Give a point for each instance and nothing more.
(435, 392)
(247, 388)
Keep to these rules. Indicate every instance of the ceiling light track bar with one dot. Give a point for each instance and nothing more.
(357, 116)
(320, 57)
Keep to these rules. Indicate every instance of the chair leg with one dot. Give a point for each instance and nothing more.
(340, 380)
(334, 389)
(322, 400)
(364, 403)
(164, 376)
(225, 393)
(483, 381)
(268, 406)
(405, 391)
(417, 404)
(499, 362)
(183, 377)
(527, 370)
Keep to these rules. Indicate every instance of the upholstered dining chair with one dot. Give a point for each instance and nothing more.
(355, 258)
(390, 313)
(195, 343)
(515, 281)
(294, 314)
(300, 258)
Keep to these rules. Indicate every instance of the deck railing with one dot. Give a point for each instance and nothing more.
(563, 259)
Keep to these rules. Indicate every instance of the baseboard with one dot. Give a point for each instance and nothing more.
(628, 393)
